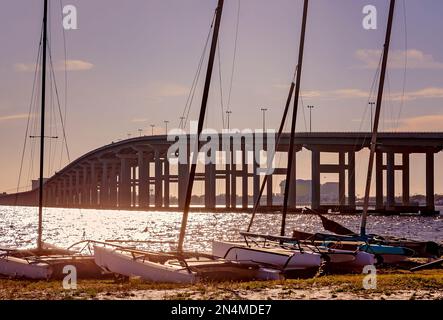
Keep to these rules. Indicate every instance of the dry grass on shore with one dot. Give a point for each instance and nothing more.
(398, 285)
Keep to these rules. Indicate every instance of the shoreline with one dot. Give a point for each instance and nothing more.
(395, 285)
(276, 210)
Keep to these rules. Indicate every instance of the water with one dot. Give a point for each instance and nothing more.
(63, 227)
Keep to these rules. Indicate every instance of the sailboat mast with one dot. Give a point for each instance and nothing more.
(200, 123)
(291, 154)
(42, 127)
(377, 117)
(279, 134)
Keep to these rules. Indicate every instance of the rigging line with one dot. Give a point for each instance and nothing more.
(54, 130)
(28, 120)
(234, 59)
(186, 110)
(192, 98)
(193, 91)
(58, 104)
(264, 182)
(51, 100)
(301, 100)
(51, 112)
(389, 104)
(402, 102)
(221, 86)
(303, 112)
(34, 130)
(65, 50)
(371, 92)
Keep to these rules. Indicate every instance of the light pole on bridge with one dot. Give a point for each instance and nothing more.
(264, 118)
(310, 118)
(182, 123)
(372, 104)
(228, 114)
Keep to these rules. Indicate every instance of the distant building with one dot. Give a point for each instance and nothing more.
(329, 191)
(303, 189)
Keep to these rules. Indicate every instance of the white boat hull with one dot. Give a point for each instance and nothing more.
(361, 260)
(124, 264)
(20, 268)
(289, 260)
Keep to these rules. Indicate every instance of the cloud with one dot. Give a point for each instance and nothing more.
(425, 93)
(416, 59)
(23, 67)
(312, 94)
(14, 117)
(421, 123)
(350, 93)
(75, 65)
(71, 65)
(139, 120)
(171, 90)
(336, 94)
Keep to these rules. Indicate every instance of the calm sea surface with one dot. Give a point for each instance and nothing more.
(64, 227)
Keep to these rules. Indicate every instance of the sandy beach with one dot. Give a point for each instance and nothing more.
(403, 285)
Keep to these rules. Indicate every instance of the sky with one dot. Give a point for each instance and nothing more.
(132, 63)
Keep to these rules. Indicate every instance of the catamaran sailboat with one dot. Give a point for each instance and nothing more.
(363, 242)
(279, 251)
(182, 267)
(45, 261)
(177, 268)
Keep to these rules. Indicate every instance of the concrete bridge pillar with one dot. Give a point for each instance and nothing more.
(256, 178)
(292, 201)
(183, 176)
(113, 175)
(406, 179)
(104, 185)
(94, 183)
(70, 191)
(47, 194)
(390, 180)
(351, 179)
(60, 192)
(85, 192)
(379, 180)
(245, 178)
(65, 191)
(158, 180)
(134, 186)
(227, 183)
(167, 183)
(270, 191)
(143, 180)
(342, 178)
(315, 181)
(77, 187)
(430, 197)
(210, 185)
(233, 178)
(124, 185)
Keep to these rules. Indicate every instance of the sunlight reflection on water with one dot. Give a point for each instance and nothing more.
(64, 227)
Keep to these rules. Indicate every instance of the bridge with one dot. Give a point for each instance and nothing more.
(138, 174)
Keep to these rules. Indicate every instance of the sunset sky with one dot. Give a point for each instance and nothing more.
(131, 64)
